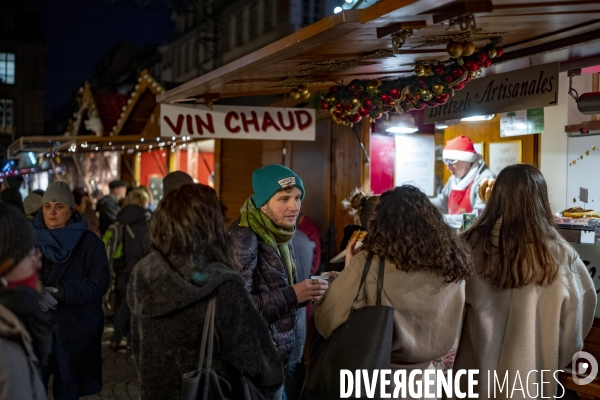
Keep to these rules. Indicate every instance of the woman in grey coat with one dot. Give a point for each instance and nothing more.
(168, 294)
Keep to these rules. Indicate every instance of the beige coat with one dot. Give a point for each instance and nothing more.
(19, 375)
(428, 311)
(526, 329)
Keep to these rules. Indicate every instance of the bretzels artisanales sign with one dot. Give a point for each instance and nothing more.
(237, 122)
(523, 89)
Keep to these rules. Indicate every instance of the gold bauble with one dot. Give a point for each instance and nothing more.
(373, 84)
(355, 101)
(455, 49)
(305, 95)
(438, 88)
(303, 90)
(420, 70)
(425, 94)
(492, 52)
(331, 99)
(295, 94)
(468, 48)
(428, 70)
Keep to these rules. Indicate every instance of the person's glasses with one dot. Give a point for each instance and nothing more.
(450, 162)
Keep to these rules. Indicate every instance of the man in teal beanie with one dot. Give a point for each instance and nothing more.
(262, 243)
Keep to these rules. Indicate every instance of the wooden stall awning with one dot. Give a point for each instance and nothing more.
(50, 146)
(357, 44)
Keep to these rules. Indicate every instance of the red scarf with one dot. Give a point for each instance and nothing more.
(31, 282)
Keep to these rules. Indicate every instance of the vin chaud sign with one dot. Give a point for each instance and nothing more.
(237, 122)
(515, 90)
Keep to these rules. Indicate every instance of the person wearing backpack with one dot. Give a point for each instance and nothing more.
(127, 243)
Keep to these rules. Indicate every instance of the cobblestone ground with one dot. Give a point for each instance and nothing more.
(118, 373)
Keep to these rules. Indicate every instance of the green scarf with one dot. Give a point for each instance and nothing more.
(271, 234)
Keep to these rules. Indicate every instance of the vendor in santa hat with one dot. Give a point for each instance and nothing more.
(461, 193)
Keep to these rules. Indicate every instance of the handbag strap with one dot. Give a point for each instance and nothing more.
(362, 281)
(379, 280)
(207, 334)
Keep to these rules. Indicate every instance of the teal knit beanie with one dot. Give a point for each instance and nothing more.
(270, 179)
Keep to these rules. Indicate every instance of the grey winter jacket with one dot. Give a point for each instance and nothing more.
(168, 303)
(19, 375)
(267, 282)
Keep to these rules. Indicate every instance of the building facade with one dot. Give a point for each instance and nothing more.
(22, 60)
(239, 29)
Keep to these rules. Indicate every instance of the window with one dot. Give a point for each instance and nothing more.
(306, 20)
(6, 115)
(253, 26)
(269, 10)
(239, 30)
(226, 37)
(7, 68)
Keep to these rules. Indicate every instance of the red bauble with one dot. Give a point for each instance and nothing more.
(458, 72)
(355, 87)
(446, 96)
(443, 98)
(416, 97)
(422, 82)
(338, 113)
(395, 93)
(363, 111)
(449, 78)
(438, 98)
(487, 63)
(324, 105)
(460, 85)
(386, 98)
(419, 105)
(440, 70)
(499, 51)
(333, 89)
(368, 103)
(471, 65)
(468, 79)
(339, 105)
(481, 56)
(354, 118)
(432, 103)
(348, 107)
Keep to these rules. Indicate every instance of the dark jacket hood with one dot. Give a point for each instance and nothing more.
(161, 289)
(132, 214)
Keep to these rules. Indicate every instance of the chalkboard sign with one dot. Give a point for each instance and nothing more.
(415, 162)
(503, 154)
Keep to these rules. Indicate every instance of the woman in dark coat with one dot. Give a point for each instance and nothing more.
(75, 273)
(136, 245)
(169, 292)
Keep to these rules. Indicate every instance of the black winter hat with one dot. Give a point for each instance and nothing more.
(16, 237)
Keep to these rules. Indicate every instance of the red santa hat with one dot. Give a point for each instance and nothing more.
(461, 149)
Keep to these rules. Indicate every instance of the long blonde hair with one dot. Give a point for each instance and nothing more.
(526, 250)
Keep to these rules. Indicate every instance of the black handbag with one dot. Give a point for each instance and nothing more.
(204, 383)
(364, 341)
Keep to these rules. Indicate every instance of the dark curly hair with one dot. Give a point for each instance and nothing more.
(410, 232)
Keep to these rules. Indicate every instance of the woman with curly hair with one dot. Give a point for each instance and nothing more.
(532, 301)
(426, 265)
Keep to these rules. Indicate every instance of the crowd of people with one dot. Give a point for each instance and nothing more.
(510, 291)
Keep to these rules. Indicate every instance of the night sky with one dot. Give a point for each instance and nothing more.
(79, 32)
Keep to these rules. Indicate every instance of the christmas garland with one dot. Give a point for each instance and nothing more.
(432, 85)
